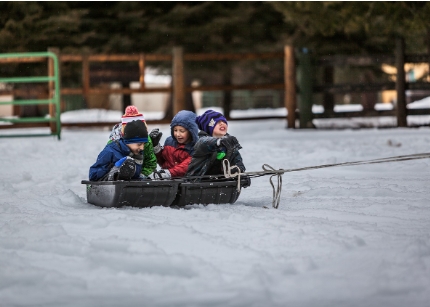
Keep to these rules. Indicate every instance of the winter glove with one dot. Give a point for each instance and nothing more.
(229, 142)
(123, 169)
(120, 162)
(155, 136)
(161, 174)
(245, 181)
(157, 148)
(143, 177)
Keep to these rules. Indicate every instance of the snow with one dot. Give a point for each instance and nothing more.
(342, 236)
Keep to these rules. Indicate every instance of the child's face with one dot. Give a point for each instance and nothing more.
(220, 129)
(136, 148)
(181, 134)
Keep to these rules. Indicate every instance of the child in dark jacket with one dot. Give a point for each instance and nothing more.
(122, 159)
(213, 146)
(178, 148)
(131, 113)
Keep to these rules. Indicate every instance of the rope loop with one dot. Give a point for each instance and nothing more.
(227, 172)
(276, 191)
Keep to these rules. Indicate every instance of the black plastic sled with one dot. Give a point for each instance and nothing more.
(149, 193)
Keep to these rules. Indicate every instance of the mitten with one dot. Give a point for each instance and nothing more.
(123, 169)
(114, 171)
(245, 181)
(161, 174)
(143, 177)
(157, 148)
(155, 136)
(229, 142)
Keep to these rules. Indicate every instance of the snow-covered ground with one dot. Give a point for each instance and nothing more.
(100, 115)
(342, 236)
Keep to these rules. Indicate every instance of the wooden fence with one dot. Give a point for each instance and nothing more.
(398, 59)
(297, 86)
(178, 89)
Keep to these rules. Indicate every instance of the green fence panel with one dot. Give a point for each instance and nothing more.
(55, 100)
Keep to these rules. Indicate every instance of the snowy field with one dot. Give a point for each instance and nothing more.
(342, 236)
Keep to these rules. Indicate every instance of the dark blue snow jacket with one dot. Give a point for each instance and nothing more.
(107, 158)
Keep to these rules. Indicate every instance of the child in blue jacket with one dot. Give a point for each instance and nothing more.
(131, 113)
(123, 158)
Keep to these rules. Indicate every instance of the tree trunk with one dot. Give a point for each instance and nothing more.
(428, 51)
(328, 98)
(126, 99)
(227, 96)
(189, 103)
(368, 99)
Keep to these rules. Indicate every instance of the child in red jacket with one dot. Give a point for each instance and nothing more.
(178, 148)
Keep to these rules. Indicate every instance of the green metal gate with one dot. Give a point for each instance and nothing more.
(53, 100)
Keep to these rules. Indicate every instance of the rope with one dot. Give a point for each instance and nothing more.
(269, 170)
(227, 172)
(374, 161)
(276, 191)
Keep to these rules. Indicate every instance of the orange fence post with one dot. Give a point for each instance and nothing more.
(178, 80)
(142, 70)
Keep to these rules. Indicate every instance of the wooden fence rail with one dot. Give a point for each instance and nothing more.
(297, 86)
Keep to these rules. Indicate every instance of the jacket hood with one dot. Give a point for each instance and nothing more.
(186, 119)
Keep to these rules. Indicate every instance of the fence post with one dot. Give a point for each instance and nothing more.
(178, 80)
(328, 98)
(142, 70)
(305, 89)
(85, 78)
(400, 83)
(290, 85)
(51, 85)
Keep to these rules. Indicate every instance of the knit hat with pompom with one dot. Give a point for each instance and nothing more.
(131, 113)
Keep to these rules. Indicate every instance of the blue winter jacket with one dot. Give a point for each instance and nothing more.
(107, 158)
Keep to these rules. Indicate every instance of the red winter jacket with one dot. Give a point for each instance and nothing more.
(174, 156)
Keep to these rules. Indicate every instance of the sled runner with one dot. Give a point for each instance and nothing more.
(177, 192)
